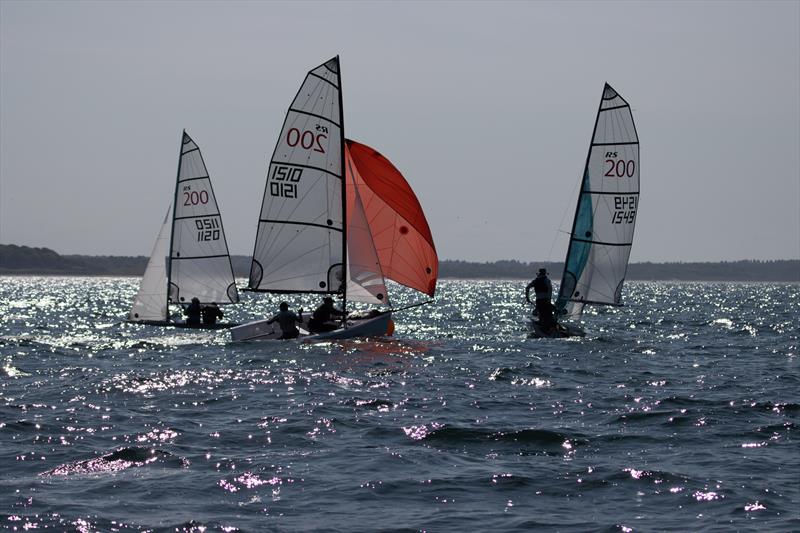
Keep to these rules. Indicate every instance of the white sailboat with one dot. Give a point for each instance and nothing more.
(602, 231)
(337, 217)
(190, 258)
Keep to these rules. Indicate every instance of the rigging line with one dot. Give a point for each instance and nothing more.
(561, 222)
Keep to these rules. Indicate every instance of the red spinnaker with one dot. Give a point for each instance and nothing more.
(399, 229)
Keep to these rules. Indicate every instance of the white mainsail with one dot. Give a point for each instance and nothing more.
(200, 266)
(602, 232)
(151, 300)
(190, 258)
(300, 240)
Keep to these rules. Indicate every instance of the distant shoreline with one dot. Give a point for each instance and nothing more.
(27, 261)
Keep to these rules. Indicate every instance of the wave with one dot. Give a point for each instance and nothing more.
(118, 460)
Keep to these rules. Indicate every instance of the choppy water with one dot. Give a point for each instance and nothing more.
(679, 412)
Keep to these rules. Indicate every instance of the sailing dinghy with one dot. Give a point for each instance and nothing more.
(602, 231)
(190, 258)
(337, 218)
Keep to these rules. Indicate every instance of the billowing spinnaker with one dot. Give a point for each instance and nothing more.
(151, 300)
(364, 276)
(602, 234)
(299, 243)
(199, 262)
(399, 229)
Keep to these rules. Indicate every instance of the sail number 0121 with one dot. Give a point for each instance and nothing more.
(306, 139)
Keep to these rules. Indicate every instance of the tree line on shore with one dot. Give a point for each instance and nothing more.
(16, 259)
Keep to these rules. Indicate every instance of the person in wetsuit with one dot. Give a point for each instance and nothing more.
(286, 320)
(543, 289)
(192, 312)
(322, 319)
(211, 313)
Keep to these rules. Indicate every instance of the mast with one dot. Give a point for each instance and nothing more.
(578, 206)
(172, 226)
(344, 198)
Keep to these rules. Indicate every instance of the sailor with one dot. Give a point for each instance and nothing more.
(286, 320)
(192, 312)
(322, 319)
(543, 289)
(211, 313)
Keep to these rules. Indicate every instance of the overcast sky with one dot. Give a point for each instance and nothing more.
(486, 108)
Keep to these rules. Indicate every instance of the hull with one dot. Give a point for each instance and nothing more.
(561, 331)
(259, 330)
(183, 325)
(375, 326)
(370, 326)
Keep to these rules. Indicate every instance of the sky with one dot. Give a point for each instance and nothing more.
(486, 108)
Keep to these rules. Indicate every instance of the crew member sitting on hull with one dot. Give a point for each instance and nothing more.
(322, 319)
(193, 312)
(544, 294)
(286, 320)
(211, 313)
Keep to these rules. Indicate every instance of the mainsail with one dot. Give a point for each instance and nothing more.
(190, 258)
(602, 232)
(300, 241)
(200, 266)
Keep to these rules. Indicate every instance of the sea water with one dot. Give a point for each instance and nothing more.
(677, 412)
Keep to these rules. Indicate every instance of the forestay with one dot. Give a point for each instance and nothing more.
(200, 266)
(602, 232)
(300, 238)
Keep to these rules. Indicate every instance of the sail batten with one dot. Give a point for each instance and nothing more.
(602, 231)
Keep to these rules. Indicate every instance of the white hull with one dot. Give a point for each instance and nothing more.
(259, 330)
